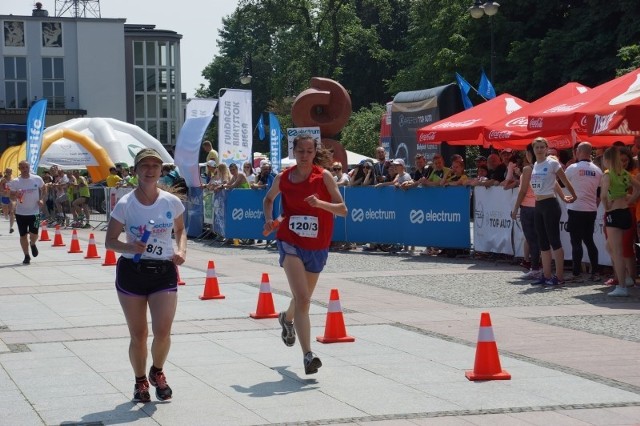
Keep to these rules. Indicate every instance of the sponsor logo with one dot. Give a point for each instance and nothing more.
(360, 215)
(500, 134)
(419, 216)
(536, 123)
(565, 108)
(456, 124)
(478, 215)
(419, 120)
(602, 122)
(518, 122)
(241, 214)
(431, 136)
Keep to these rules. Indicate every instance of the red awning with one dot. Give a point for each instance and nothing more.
(512, 132)
(571, 114)
(466, 127)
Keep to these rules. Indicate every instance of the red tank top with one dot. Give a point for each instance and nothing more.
(307, 227)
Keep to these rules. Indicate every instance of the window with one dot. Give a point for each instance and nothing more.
(15, 85)
(53, 82)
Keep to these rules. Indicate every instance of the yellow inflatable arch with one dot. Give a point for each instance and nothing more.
(13, 155)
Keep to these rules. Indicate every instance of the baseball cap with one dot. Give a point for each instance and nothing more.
(147, 153)
(399, 161)
(211, 163)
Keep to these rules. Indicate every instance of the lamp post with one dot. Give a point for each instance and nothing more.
(477, 11)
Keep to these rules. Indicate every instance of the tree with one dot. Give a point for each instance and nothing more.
(362, 132)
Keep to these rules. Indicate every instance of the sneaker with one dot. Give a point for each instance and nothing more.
(533, 274)
(619, 292)
(540, 281)
(34, 250)
(27, 260)
(11, 230)
(370, 248)
(611, 281)
(288, 331)
(553, 281)
(525, 264)
(159, 381)
(629, 282)
(311, 363)
(141, 391)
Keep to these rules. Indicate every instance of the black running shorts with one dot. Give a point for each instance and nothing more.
(145, 277)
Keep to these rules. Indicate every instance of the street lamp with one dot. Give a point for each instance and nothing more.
(477, 11)
(245, 77)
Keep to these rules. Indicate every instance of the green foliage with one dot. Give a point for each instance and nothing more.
(630, 58)
(362, 132)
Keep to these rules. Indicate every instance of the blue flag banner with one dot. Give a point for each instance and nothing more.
(260, 126)
(464, 91)
(485, 87)
(35, 129)
(275, 134)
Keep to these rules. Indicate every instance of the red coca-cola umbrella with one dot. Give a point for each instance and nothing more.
(512, 132)
(570, 115)
(466, 127)
(617, 112)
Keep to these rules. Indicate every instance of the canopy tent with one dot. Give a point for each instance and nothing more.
(466, 127)
(511, 131)
(617, 111)
(570, 115)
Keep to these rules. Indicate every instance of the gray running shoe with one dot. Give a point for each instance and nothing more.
(311, 363)
(288, 331)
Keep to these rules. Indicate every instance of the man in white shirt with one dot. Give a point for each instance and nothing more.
(28, 190)
(585, 179)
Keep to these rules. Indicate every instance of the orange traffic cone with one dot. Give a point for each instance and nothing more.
(109, 258)
(92, 250)
(211, 290)
(75, 244)
(334, 329)
(265, 308)
(57, 238)
(180, 282)
(487, 365)
(44, 235)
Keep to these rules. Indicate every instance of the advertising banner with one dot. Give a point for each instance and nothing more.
(235, 127)
(492, 219)
(35, 128)
(275, 138)
(207, 201)
(293, 132)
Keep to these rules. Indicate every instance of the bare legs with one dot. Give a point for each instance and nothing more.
(302, 284)
(162, 306)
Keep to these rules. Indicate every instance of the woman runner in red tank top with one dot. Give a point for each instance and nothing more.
(310, 199)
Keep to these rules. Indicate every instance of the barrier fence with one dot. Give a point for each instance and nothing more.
(432, 217)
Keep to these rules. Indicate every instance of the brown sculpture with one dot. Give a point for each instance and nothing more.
(326, 104)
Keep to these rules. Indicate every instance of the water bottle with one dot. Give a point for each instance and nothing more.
(145, 237)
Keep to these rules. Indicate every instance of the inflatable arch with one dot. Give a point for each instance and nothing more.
(13, 155)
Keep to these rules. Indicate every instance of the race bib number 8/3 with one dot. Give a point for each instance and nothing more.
(304, 226)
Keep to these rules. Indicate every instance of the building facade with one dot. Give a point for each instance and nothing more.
(92, 67)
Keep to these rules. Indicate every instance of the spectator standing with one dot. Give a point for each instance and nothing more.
(342, 179)
(363, 174)
(265, 179)
(113, 179)
(237, 180)
(152, 282)
(457, 176)
(381, 166)
(497, 171)
(29, 192)
(7, 204)
(248, 172)
(544, 176)
(440, 173)
(81, 203)
(526, 204)
(585, 178)
(212, 154)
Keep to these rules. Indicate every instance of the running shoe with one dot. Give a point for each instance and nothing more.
(311, 363)
(159, 381)
(629, 282)
(619, 291)
(540, 281)
(533, 274)
(288, 331)
(141, 391)
(27, 260)
(11, 230)
(553, 281)
(34, 250)
(611, 281)
(525, 264)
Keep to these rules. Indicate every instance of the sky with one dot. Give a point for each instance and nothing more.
(197, 20)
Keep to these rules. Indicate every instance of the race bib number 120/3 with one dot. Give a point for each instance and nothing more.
(304, 226)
